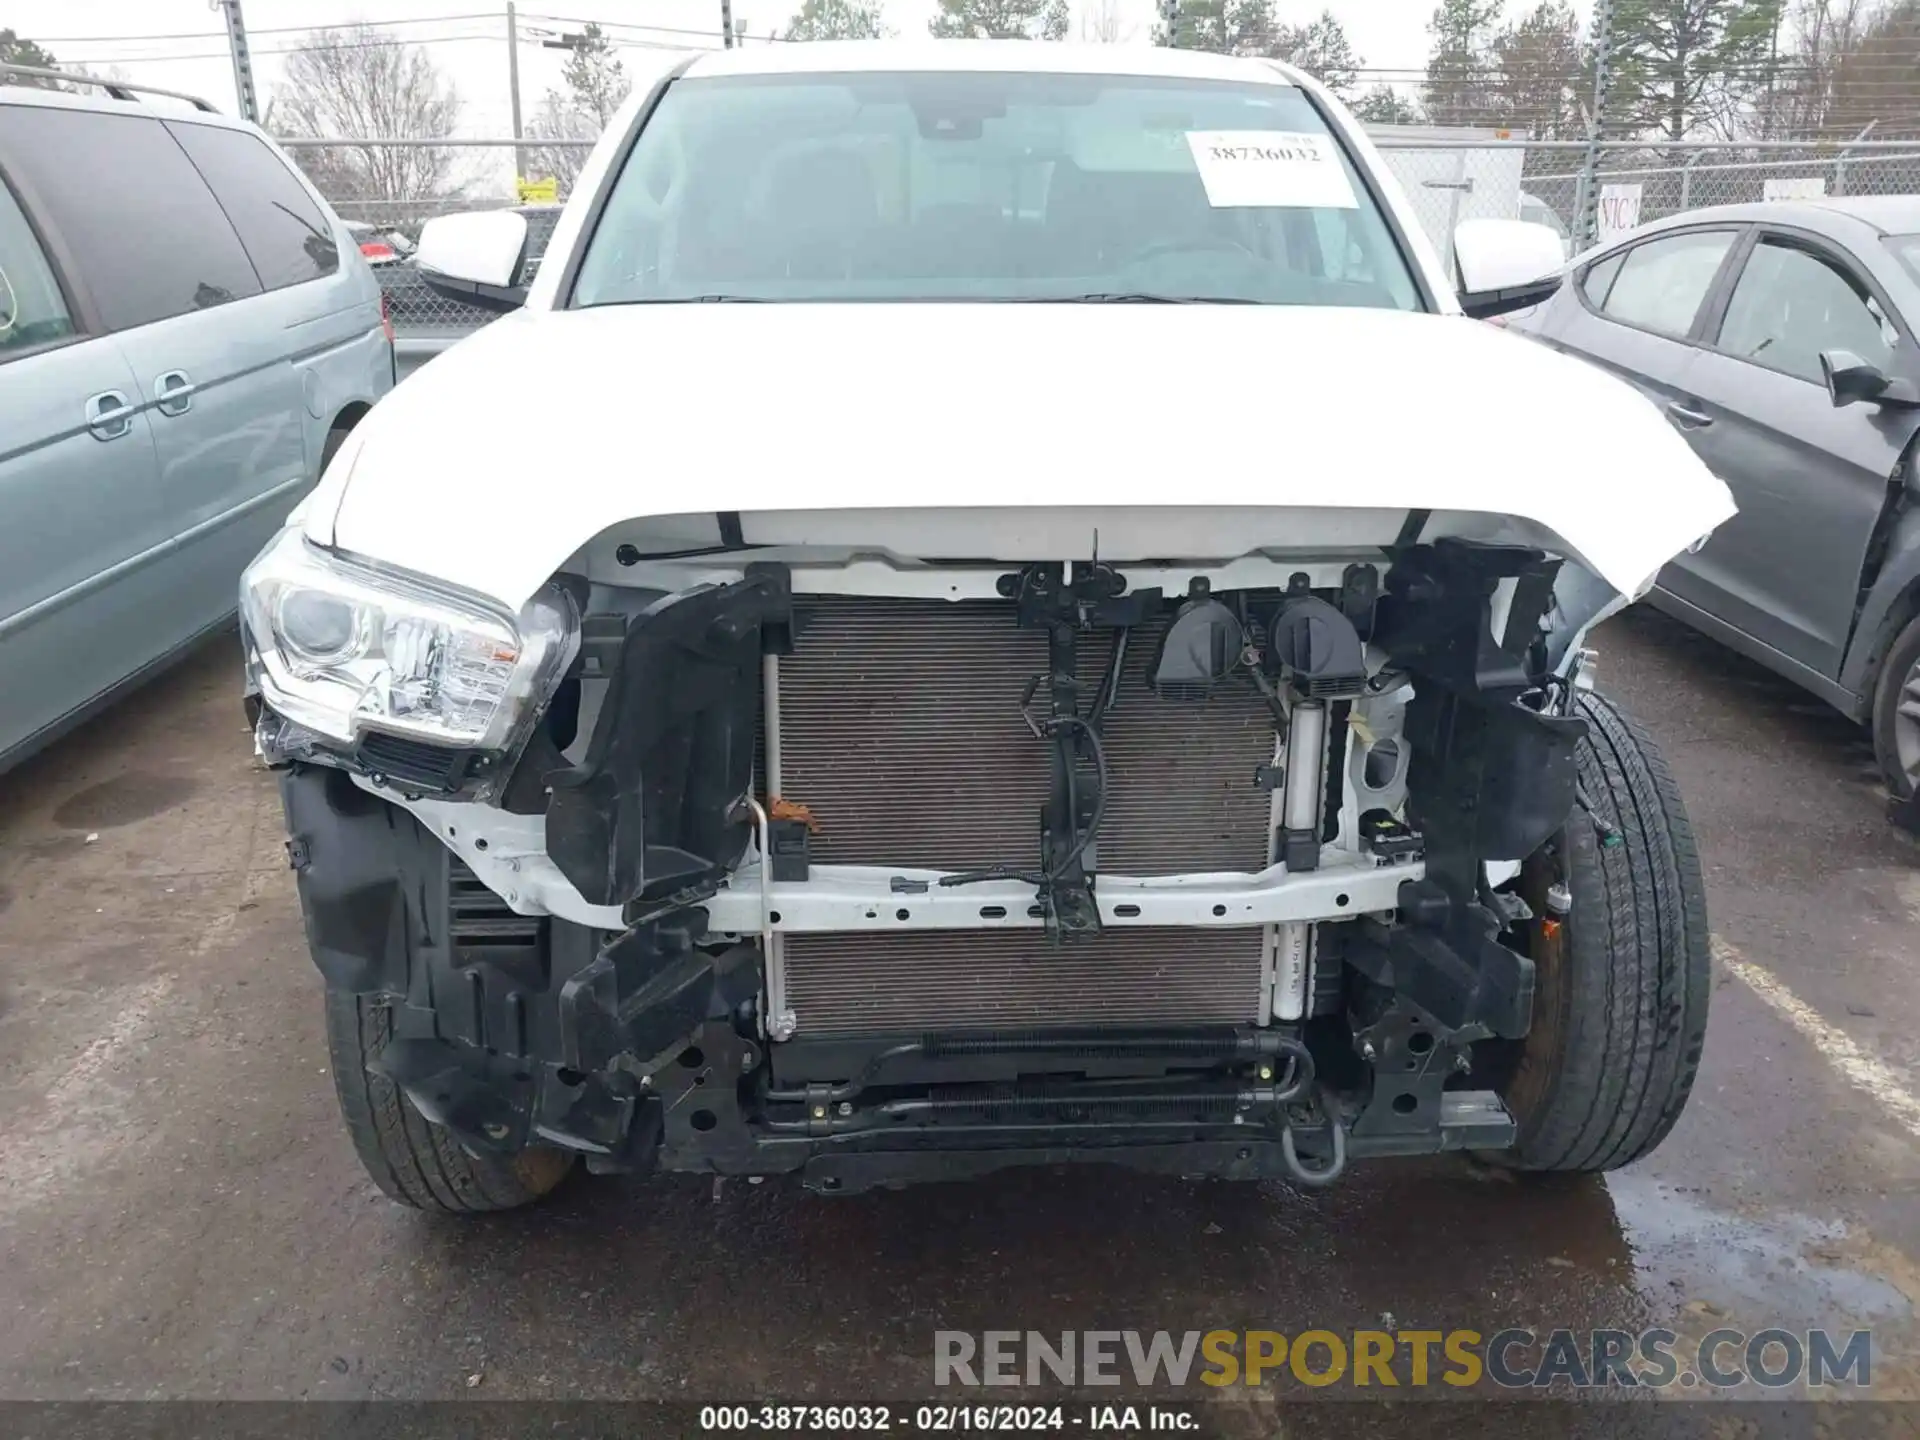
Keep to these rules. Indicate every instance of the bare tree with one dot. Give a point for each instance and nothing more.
(596, 85)
(558, 119)
(1826, 31)
(1851, 63)
(1100, 23)
(356, 82)
(1876, 78)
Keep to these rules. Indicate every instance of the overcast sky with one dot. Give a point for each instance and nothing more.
(469, 36)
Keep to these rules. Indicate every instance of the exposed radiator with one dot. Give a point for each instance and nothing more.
(901, 733)
(911, 981)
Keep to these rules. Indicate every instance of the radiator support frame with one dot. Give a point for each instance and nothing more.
(507, 852)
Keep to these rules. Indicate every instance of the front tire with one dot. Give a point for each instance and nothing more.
(1621, 983)
(1896, 737)
(410, 1158)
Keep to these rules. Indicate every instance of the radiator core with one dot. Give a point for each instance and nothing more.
(876, 982)
(900, 731)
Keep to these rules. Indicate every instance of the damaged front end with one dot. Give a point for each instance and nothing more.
(1202, 868)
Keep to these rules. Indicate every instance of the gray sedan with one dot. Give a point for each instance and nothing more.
(1780, 339)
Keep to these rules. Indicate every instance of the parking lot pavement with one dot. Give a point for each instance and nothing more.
(180, 1213)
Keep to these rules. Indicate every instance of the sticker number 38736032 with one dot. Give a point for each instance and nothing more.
(1270, 167)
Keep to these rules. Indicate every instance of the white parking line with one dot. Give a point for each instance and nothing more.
(1858, 1067)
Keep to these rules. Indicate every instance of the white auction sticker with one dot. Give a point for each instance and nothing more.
(1270, 167)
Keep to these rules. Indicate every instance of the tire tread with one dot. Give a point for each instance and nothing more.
(1639, 960)
(413, 1161)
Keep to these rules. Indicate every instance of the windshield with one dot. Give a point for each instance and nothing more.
(962, 186)
(1907, 248)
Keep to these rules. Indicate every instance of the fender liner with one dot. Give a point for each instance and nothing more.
(1890, 575)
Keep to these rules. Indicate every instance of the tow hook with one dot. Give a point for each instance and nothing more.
(1302, 1173)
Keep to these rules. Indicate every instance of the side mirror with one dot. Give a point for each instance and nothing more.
(1850, 379)
(475, 257)
(1505, 265)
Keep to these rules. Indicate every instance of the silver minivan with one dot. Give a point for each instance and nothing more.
(187, 332)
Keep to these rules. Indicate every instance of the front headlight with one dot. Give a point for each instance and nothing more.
(344, 646)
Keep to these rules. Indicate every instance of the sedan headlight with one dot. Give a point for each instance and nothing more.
(344, 646)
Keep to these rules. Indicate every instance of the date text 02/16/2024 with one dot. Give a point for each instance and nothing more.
(947, 1419)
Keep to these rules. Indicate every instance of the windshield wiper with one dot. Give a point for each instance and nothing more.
(1136, 297)
(1113, 297)
(682, 300)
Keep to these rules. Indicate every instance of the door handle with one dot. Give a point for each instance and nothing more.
(109, 415)
(1688, 417)
(173, 392)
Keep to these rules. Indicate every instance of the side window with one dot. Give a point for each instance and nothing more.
(1790, 304)
(1660, 284)
(32, 310)
(1599, 279)
(285, 235)
(145, 232)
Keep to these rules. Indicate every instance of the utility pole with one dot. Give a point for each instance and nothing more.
(513, 87)
(242, 60)
(1588, 222)
(726, 23)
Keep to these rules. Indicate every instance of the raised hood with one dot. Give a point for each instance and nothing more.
(492, 465)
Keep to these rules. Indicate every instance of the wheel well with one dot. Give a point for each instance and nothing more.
(1905, 605)
(349, 417)
(1904, 608)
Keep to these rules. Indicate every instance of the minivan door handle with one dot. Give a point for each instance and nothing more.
(109, 416)
(173, 392)
(1688, 417)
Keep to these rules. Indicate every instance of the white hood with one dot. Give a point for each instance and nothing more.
(495, 463)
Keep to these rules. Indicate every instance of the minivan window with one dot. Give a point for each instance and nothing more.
(146, 234)
(32, 310)
(983, 186)
(1790, 304)
(284, 233)
(1662, 282)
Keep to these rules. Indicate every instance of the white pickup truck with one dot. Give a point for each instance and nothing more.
(986, 607)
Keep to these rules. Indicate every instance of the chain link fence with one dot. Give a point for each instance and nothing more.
(1449, 178)
(1632, 184)
(483, 179)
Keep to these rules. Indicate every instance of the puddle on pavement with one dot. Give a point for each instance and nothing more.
(122, 800)
(1788, 1270)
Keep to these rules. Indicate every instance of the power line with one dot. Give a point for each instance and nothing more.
(261, 30)
(284, 50)
(606, 25)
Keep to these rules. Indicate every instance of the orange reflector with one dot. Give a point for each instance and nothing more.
(790, 810)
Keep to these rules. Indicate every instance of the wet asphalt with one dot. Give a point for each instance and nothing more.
(181, 1215)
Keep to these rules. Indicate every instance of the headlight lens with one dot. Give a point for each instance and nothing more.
(343, 646)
